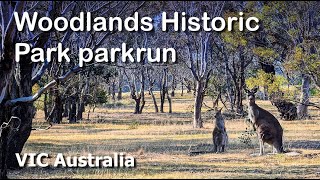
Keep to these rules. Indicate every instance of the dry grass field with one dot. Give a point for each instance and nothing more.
(160, 143)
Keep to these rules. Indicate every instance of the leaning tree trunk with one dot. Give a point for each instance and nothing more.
(156, 109)
(142, 82)
(45, 105)
(197, 121)
(302, 109)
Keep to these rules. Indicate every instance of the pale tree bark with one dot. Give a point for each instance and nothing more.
(302, 108)
(197, 50)
(137, 96)
(202, 71)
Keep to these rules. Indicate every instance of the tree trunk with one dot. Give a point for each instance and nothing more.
(197, 122)
(239, 104)
(156, 109)
(137, 106)
(173, 86)
(188, 87)
(120, 80)
(73, 111)
(143, 102)
(170, 104)
(241, 82)
(302, 109)
(45, 105)
(113, 89)
(181, 88)
(142, 82)
(172, 93)
(162, 98)
(12, 142)
(229, 90)
(194, 87)
(119, 97)
(66, 108)
(58, 105)
(80, 111)
(3, 146)
(163, 89)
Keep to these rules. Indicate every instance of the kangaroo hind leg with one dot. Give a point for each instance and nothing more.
(261, 147)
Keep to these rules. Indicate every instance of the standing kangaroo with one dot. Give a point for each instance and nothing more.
(266, 125)
(219, 134)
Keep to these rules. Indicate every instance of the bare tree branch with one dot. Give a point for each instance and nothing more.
(61, 79)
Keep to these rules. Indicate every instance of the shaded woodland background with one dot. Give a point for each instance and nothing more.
(282, 58)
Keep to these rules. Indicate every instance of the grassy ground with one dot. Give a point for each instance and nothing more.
(160, 143)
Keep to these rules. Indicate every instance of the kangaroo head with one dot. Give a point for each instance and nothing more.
(251, 95)
(219, 119)
(217, 112)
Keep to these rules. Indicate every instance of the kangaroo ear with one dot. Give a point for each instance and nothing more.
(255, 89)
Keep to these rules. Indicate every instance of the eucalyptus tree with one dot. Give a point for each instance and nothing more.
(292, 29)
(17, 78)
(196, 49)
